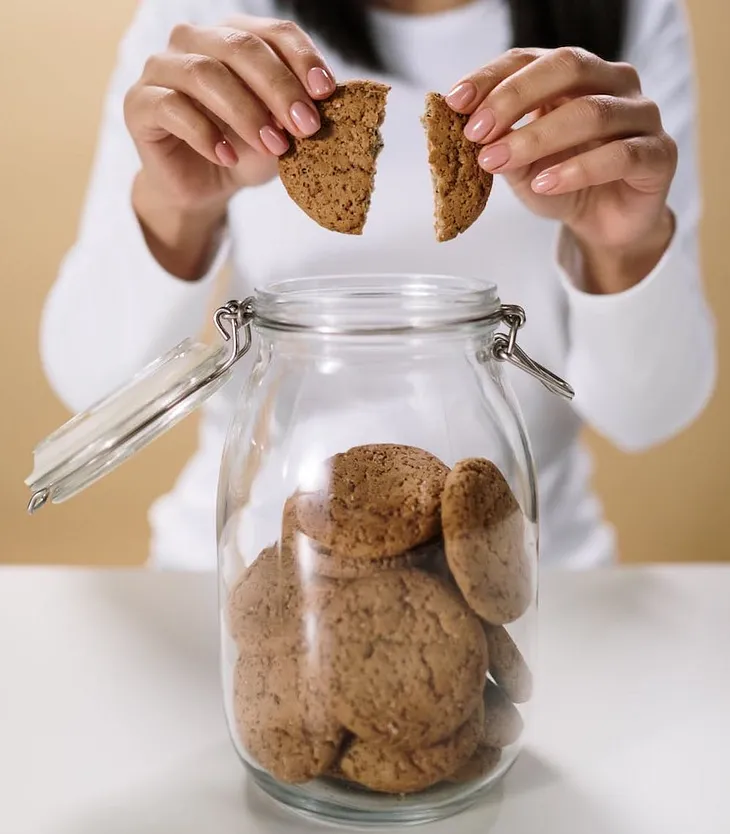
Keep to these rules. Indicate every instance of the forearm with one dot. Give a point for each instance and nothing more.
(182, 241)
(639, 381)
(607, 271)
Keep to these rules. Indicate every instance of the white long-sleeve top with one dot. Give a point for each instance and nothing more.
(642, 361)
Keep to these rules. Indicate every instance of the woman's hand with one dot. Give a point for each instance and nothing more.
(210, 116)
(593, 153)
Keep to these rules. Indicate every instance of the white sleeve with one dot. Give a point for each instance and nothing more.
(112, 308)
(643, 362)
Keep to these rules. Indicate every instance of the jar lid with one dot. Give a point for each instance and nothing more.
(98, 440)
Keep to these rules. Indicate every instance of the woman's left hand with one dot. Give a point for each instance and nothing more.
(592, 154)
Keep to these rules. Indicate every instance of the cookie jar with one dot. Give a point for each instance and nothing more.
(377, 535)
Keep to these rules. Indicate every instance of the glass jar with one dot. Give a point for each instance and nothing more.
(377, 536)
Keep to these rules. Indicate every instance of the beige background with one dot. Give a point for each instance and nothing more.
(54, 61)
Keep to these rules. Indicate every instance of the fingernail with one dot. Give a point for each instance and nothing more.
(480, 126)
(320, 82)
(305, 118)
(226, 153)
(545, 182)
(273, 140)
(495, 157)
(462, 95)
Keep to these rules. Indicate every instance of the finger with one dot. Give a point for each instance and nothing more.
(579, 122)
(163, 112)
(468, 93)
(298, 52)
(561, 72)
(645, 163)
(260, 68)
(210, 83)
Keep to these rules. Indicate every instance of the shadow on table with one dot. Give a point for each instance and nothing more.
(209, 794)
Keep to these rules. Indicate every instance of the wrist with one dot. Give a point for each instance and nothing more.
(614, 269)
(182, 238)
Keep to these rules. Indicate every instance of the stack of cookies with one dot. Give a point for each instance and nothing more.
(371, 639)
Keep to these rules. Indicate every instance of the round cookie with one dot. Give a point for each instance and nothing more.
(503, 723)
(480, 765)
(388, 770)
(333, 566)
(484, 538)
(403, 657)
(508, 666)
(282, 715)
(380, 501)
(279, 587)
(268, 592)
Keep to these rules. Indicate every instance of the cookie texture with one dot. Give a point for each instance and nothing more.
(389, 770)
(341, 567)
(331, 175)
(503, 723)
(403, 658)
(282, 715)
(479, 766)
(484, 539)
(380, 501)
(461, 187)
(508, 666)
(267, 592)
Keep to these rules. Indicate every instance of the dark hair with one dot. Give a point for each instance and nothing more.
(596, 25)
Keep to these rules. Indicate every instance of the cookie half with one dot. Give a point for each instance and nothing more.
(331, 175)
(483, 532)
(461, 188)
(403, 657)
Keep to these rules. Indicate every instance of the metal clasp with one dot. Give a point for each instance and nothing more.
(238, 315)
(506, 349)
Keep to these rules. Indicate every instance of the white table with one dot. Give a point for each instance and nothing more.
(111, 719)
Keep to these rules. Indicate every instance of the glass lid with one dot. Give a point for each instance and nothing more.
(98, 440)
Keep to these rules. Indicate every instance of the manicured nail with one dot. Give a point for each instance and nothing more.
(305, 118)
(462, 95)
(274, 141)
(320, 82)
(226, 153)
(495, 157)
(480, 125)
(545, 182)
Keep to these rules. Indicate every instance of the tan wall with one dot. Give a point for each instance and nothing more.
(54, 59)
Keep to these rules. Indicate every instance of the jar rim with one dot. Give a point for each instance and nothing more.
(382, 303)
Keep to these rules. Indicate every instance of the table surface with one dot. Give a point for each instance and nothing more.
(111, 719)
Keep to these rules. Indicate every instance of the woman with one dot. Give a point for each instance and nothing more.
(593, 227)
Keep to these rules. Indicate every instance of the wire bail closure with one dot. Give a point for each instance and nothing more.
(506, 349)
(238, 315)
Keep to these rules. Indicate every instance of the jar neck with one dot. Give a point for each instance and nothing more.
(382, 306)
(446, 343)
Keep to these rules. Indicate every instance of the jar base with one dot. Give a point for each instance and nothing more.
(329, 802)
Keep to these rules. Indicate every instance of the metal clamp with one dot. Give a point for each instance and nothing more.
(238, 315)
(506, 349)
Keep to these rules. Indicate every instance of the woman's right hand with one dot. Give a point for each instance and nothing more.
(207, 114)
(210, 116)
